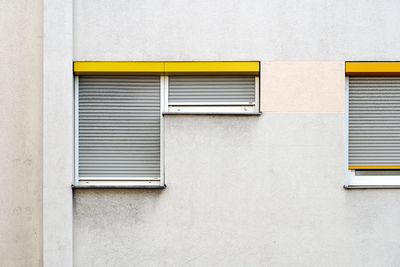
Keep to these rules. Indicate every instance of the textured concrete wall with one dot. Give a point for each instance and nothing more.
(58, 135)
(245, 191)
(228, 30)
(21, 133)
(249, 191)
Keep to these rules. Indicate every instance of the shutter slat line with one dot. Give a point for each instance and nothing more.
(212, 88)
(374, 121)
(119, 126)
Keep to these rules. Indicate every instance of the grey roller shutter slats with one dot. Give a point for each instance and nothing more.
(119, 126)
(211, 89)
(374, 121)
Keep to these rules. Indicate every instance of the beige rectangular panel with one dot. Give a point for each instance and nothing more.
(302, 87)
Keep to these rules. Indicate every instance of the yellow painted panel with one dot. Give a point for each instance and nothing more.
(114, 67)
(251, 67)
(373, 167)
(121, 67)
(373, 68)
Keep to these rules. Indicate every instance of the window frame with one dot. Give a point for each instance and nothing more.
(135, 182)
(354, 181)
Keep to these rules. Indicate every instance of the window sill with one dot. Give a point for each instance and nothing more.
(101, 182)
(215, 113)
(352, 187)
(373, 182)
(118, 186)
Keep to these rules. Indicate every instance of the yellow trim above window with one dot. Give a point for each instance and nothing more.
(373, 167)
(113, 67)
(212, 67)
(121, 67)
(373, 68)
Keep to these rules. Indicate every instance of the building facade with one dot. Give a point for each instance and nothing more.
(271, 188)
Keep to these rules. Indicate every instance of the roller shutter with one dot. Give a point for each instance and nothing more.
(119, 126)
(211, 90)
(374, 121)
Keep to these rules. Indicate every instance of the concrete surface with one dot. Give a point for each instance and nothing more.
(243, 191)
(237, 30)
(58, 135)
(21, 133)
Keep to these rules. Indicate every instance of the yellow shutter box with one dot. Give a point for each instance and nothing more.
(377, 69)
(116, 67)
(374, 167)
(204, 67)
(213, 67)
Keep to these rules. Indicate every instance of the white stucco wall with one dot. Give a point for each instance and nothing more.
(21, 133)
(244, 191)
(241, 30)
(58, 132)
(249, 191)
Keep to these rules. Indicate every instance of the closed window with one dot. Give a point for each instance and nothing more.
(213, 93)
(374, 130)
(118, 130)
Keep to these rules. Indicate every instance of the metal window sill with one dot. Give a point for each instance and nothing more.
(372, 182)
(118, 187)
(215, 113)
(357, 186)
